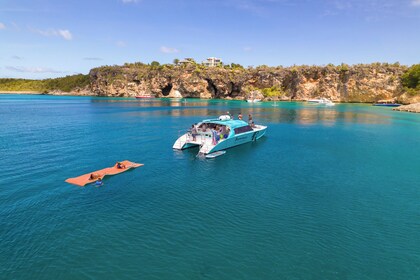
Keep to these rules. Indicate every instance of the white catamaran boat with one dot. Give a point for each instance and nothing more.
(322, 100)
(219, 134)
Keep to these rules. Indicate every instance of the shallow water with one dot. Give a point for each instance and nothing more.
(329, 193)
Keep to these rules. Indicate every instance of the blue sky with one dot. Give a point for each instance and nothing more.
(52, 38)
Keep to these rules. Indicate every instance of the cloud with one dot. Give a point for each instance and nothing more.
(168, 50)
(129, 1)
(2, 26)
(63, 33)
(22, 69)
(15, 26)
(343, 5)
(415, 3)
(92, 58)
(121, 44)
(17, 57)
(259, 7)
(247, 49)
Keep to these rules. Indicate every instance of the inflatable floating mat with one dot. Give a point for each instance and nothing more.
(82, 180)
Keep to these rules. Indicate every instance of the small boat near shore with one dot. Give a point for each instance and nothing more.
(322, 100)
(214, 135)
(386, 103)
(253, 100)
(139, 96)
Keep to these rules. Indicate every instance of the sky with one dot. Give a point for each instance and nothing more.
(53, 38)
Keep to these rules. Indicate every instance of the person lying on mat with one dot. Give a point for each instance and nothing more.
(94, 176)
(120, 165)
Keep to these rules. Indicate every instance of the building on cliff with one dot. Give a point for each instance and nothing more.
(186, 60)
(212, 61)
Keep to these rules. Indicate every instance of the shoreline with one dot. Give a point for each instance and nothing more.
(20, 92)
(411, 108)
(225, 99)
(403, 108)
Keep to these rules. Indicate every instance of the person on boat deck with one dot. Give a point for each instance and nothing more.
(214, 136)
(94, 176)
(250, 120)
(194, 132)
(120, 165)
(240, 116)
(204, 127)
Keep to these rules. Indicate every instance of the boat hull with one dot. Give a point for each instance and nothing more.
(219, 134)
(235, 140)
(387, 105)
(145, 97)
(206, 147)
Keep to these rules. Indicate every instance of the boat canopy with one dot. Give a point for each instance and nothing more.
(230, 123)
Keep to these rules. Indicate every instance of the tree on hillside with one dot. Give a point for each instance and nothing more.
(234, 65)
(411, 78)
(176, 61)
(155, 64)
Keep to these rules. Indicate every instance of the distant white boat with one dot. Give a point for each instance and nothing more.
(144, 95)
(253, 100)
(322, 100)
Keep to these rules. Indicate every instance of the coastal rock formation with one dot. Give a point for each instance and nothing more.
(357, 83)
(84, 91)
(414, 108)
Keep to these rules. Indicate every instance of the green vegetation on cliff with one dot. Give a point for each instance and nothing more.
(273, 91)
(411, 80)
(65, 84)
(346, 83)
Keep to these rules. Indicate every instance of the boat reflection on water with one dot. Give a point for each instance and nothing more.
(300, 113)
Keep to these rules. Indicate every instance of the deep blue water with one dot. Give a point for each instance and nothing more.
(329, 193)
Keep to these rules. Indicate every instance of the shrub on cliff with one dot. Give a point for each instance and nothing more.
(155, 64)
(411, 80)
(66, 84)
(273, 91)
(22, 85)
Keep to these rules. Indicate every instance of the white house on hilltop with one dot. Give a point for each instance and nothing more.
(212, 61)
(187, 60)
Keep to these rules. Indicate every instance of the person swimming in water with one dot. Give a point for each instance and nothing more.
(99, 182)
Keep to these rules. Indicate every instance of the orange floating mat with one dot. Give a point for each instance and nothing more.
(85, 179)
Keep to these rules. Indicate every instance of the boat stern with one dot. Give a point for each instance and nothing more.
(183, 143)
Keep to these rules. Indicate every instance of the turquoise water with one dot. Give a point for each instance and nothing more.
(329, 193)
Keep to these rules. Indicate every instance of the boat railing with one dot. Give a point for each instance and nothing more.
(187, 134)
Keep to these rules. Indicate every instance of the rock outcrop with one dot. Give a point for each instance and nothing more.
(414, 108)
(357, 83)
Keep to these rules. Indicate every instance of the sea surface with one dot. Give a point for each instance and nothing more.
(329, 193)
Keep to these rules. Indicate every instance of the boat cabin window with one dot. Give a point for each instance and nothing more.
(243, 129)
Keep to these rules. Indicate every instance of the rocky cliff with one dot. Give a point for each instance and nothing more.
(357, 83)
